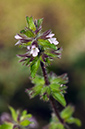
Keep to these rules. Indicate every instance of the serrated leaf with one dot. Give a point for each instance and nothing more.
(37, 89)
(67, 112)
(25, 122)
(72, 120)
(39, 21)
(44, 90)
(30, 23)
(14, 114)
(55, 87)
(34, 67)
(38, 80)
(59, 80)
(60, 98)
(47, 44)
(34, 91)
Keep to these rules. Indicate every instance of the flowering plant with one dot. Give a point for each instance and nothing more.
(41, 48)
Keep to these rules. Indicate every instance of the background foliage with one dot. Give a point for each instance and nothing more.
(67, 20)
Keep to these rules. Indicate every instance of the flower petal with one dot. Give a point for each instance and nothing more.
(53, 40)
(28, 47)
(17, 36)
(50, 35)
(34, 51)
(18, 43)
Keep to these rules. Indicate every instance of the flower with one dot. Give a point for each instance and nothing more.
(18, 43)
(17, 36)
(22, 39)
(28, 47)
(53, 40)
(34, 51)
(50, 35)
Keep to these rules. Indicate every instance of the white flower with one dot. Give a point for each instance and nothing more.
(28, 47)
(19, 42)
(34, 51)
(53, 40)
(17, 36)
(50, 35)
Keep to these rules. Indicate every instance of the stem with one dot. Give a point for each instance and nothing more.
(45, 73)
(52, 100)
(66, 126)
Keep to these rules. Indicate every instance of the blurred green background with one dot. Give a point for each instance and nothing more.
(66, 18)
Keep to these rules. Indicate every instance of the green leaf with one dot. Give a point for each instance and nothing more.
(59, 80)
(27, 116)
(50, 54)
(34, 67)
(46, 44)
(44, 97)
(14, 114)
(25, 123)
(30, 23)
(24, 112)
(67, 112)
(37, 89)
(55, 87)
(6, 126)
(45, 92)
(38, 80)
(60, 98)
(27, 32)
(27, 61)
(48, 91)
(27, 18)
(56, 126)
(34, 91)
(47, 61)
(39, 21)
(72, 120)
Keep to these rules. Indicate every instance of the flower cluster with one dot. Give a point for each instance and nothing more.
(41, 44)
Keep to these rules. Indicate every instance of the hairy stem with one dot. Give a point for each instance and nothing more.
(44, 73)
(52, 100)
